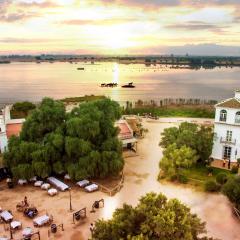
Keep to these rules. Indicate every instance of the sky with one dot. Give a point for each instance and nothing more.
(133, 27)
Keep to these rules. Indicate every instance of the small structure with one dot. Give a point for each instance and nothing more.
(43, 220)
(129, 142)
(8, 127)
(57, 183)
(81, 214)
(96, 205)
(226, 147)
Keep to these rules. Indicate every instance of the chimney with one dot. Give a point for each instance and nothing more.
(237, 94)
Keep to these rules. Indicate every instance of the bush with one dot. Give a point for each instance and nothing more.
(174, 178)
(221, 178)
(209, 169)
(234, 169)
(211, 186)
(182, 179)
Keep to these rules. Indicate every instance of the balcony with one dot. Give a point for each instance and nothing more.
(228, 141)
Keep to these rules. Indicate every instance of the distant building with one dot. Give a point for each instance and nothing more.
(8, 127)
(227, 131)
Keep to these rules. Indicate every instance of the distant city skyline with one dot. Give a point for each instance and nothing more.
(134, 27)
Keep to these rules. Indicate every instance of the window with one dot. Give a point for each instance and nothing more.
(237, 117)
(223, 115)
(215, 136)
(227, 152)
(229, 136)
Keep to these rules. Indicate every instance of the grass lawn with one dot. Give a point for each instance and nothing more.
(198, 175)
(177, 111)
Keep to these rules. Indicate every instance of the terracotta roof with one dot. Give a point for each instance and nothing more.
(13, 129)
(125, 132)
(230, 103)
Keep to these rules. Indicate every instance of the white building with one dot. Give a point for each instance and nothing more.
(3, 134)
(227, 130)
(8, 127)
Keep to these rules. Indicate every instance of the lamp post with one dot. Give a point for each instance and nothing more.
(70, 200)
(11, 233)
(91, 229)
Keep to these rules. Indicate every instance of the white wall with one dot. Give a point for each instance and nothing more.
(231, 113)
(220, 130)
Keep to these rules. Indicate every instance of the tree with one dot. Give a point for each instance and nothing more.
(153, 218)
(190, 135)
(43, 120)
(24, 107)
(174, 159)
(232, 190)
(82, 143)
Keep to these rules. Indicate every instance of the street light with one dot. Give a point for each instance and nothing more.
(70, 199)
(91, 229)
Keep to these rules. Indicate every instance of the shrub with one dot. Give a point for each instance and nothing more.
(209, 169)
(221, 178)
(211, 186)
(182, 179)
(174, 177)
(234, 169)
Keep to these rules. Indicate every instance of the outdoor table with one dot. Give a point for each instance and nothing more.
(22, 181)
(83, 183)
(38, 183)
(52, 191)
(6, 216)
(45, 186)
(41, 220)
(91, 188)
(27, 232)
(15, 224)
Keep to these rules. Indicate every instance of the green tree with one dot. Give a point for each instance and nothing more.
(175, 159)
(83, 143)
(23, 171)
(41, 169)
(153, 218)
(43, 120)
(232, 190)
(190, 135)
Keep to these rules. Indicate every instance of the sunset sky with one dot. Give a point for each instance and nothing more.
(120, 26)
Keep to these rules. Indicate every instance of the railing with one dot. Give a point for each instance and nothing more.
(228, 141)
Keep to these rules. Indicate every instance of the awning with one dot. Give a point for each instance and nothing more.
(130, 140)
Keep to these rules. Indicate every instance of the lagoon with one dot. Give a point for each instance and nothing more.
(32, 81)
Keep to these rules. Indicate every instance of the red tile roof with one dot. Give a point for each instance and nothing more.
(14, 129)
(125, 132)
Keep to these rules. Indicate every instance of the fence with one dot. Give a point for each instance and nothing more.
(114, 190)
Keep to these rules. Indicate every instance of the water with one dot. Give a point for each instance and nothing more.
(31, 81)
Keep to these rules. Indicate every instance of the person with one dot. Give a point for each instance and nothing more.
(25, 201)
(224, 162)
(229, 164)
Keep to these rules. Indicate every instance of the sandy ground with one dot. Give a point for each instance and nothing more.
(140, 177)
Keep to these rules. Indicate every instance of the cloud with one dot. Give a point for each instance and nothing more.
(197, 26)
(28, 40)
(98, 22)
(42, 4)
(14, 17)
(209, 49)
(156, 4)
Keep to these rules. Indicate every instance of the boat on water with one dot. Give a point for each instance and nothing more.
(80, 68)
(129, 85)
(109, 85)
